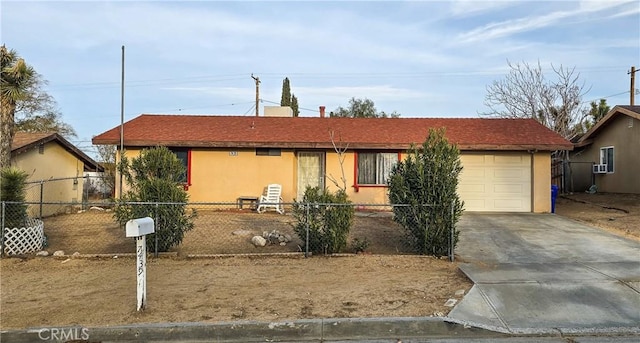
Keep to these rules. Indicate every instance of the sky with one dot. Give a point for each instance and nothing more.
(418, 58)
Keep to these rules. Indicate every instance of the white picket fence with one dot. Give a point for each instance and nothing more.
(24, 240)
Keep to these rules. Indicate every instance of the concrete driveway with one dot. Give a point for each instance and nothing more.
(542, 273)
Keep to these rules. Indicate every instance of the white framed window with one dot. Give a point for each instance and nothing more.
(606, 157)
(373, 168)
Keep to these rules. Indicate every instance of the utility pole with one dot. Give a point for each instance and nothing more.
(121, 123)
(257, 80)
(632, 91)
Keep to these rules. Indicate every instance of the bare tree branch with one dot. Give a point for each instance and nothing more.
(525, 92)
(341, 158)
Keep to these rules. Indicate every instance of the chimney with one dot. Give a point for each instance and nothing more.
(322, 111)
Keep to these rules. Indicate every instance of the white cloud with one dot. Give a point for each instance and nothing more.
(509, 27)
(465, 8)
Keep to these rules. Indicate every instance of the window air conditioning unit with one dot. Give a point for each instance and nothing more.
(599, 168)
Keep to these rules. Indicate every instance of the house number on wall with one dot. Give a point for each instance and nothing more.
(233, 153)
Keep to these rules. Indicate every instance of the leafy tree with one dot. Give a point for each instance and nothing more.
(12, 190)
(155, 177)
(16, 78)
(25, 106)
(48, 121)
(289, 99)
(591, 116)
(527, 93)
(362, 108)
(329, 218)
(425, 184)
(597, 112)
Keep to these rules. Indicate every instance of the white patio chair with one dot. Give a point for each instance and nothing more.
(273, 199)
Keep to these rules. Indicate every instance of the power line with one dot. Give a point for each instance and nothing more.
(250, 109)
(305, 75)
(155, 81)
(604, 97)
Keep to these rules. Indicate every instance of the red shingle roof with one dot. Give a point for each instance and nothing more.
(306, 132)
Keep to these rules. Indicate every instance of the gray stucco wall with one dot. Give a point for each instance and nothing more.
(623, 133)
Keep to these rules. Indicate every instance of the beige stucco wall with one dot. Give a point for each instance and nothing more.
(222, 175)
(625, 141)
(541, 182)
(54, 162)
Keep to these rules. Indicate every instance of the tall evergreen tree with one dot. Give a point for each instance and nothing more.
(294, 105)
(288, 99)
(285, 99)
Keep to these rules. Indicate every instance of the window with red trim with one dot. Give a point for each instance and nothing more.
(373, 168)
(184, 155)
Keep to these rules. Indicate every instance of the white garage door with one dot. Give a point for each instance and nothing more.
(499, 182)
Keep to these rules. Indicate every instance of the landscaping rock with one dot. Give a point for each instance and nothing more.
(42, 253)
(58, 253)
(75, 254)
(258, 241)
(450, 302)
(275, 237)
(460, 292)
(96, 208)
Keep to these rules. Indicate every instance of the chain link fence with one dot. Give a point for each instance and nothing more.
(65, 195)
(91, 228)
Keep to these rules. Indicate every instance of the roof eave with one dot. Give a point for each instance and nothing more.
(612, 113)
(329, 145)
(89, 163)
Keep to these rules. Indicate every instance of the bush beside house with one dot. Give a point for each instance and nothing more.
(156, 177)
(425, 185)
(329, 217)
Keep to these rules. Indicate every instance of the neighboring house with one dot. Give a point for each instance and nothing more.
(54, 162)
(506, 161)
(612, 147)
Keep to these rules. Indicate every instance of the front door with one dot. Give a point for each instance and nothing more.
(310, 171)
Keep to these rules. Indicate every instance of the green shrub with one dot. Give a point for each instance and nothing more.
(329, 218)
(12, 190)
(155, 176)
(359, 245)
(426, 181)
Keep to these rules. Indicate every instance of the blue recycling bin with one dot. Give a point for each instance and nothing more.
(554, 196)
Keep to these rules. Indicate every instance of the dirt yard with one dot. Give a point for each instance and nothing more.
(616, 213)
(216, 231)
(46, 292)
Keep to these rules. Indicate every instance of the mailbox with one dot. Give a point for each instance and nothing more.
(139, 227)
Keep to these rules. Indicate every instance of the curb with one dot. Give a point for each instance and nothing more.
(253, 331)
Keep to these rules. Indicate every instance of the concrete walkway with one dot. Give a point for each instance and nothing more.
(542, 274)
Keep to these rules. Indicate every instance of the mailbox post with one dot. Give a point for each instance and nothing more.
(139, 228)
